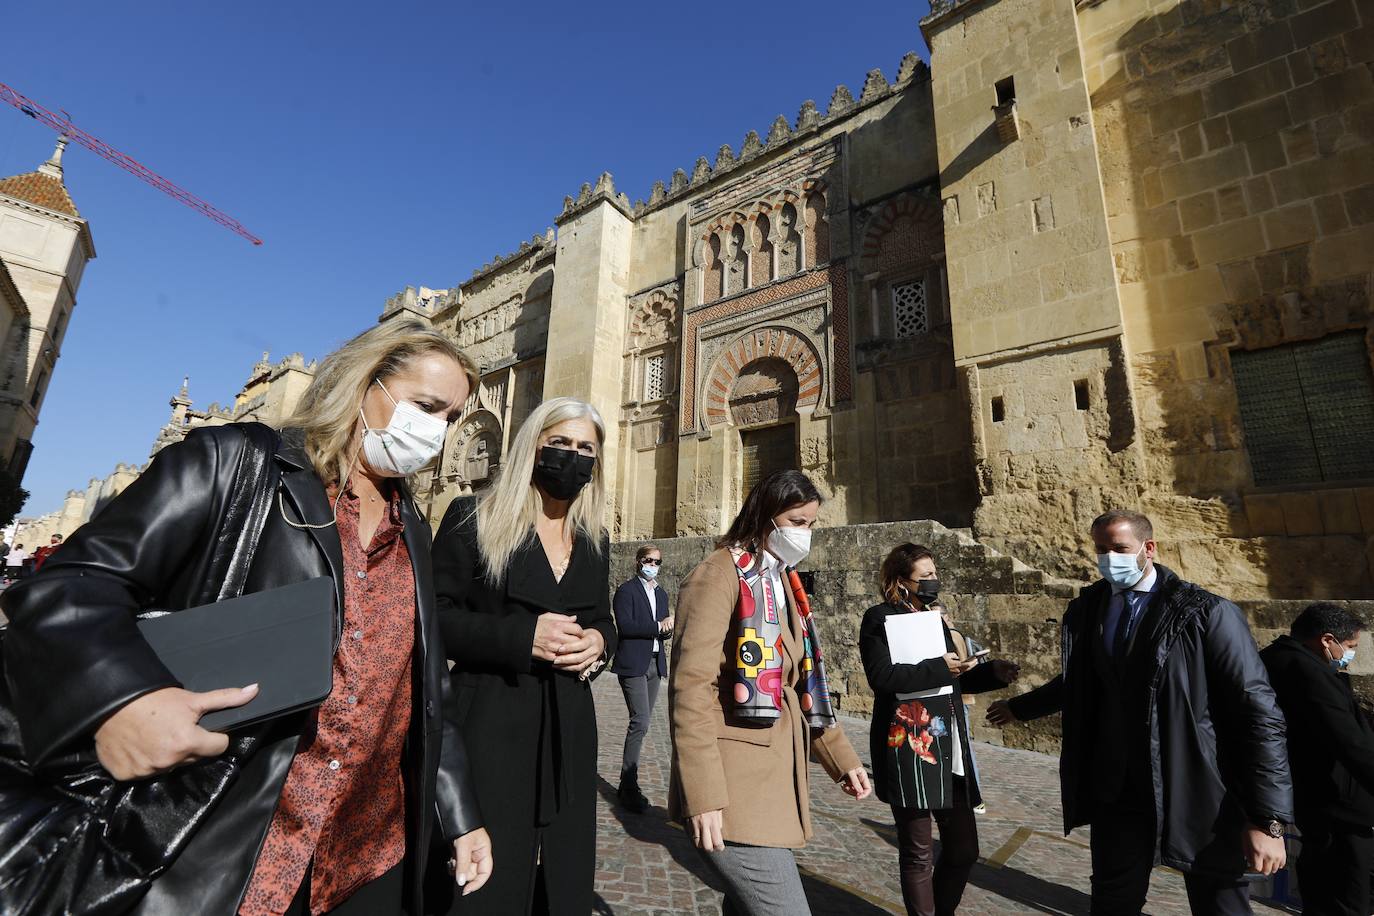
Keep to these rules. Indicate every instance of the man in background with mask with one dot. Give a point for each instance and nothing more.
(1173, 742)
(641, 661)
(1331, 747)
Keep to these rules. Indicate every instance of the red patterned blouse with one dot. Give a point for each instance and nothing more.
(343, 804)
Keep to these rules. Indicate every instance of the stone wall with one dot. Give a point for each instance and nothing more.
(1138, 194)
(1237, 150)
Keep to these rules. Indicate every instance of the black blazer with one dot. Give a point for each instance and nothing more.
(638, 626)
(1330, 743)
(532, 729)
(73, 654)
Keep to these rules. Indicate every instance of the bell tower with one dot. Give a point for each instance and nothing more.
(44, 246)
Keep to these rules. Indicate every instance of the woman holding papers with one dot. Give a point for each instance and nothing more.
(922, 763)
(747, 698)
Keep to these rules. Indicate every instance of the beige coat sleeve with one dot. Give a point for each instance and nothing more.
(832, 750)
(705, 605)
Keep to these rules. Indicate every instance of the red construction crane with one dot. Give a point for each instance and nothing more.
(64, 126)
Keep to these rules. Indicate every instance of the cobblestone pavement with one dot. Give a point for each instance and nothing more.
(646, 866)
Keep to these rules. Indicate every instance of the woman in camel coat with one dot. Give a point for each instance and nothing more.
(748, 704)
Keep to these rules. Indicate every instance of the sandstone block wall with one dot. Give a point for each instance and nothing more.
(1237, 149)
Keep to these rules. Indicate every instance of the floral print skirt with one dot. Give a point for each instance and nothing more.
(921, 753)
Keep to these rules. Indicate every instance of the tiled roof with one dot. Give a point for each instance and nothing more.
(43, 190)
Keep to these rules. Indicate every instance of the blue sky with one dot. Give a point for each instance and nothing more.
(370, 146)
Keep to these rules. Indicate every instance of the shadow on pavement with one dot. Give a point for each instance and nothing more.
(1034, 893)
(885, 832)
(654, 827)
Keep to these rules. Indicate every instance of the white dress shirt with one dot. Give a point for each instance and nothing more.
(651, 589)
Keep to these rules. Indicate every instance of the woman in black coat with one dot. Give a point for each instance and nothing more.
(522, 582)
(919, 745)
(77, 666)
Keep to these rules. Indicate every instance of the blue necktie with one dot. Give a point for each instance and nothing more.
(1125, 621)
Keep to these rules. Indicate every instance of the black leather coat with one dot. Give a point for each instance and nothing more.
(1199, 711)
(73, 654)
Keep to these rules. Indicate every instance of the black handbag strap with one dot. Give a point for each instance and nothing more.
(250, 502)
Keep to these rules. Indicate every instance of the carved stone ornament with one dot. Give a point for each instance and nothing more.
(841, 102)
(752, 146)
(654, 319)
(874, 86)
(476, 448)
(779, 133)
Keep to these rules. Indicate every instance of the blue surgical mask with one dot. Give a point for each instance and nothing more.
(648, 572)
(1345, 661)
(1121, 569)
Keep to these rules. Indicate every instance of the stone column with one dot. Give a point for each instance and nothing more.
(585, 357)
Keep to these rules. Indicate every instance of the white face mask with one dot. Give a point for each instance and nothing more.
(790, 545)
(1121, 569)
(410, 441)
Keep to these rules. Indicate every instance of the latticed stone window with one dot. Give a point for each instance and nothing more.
(1307, 410)
(910, 314)
(655, 369)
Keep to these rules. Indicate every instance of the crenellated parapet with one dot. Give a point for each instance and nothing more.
(538, 243)
(422, 301)
(781, 134)
(590, 195)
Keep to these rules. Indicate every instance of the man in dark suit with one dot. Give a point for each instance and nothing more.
(1173, 742)
(641, 661)
(1331, 749)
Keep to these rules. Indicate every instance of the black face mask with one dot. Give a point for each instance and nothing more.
(561, 472)
(927, 590)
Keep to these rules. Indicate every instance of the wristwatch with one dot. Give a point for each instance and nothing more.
(1272, 827)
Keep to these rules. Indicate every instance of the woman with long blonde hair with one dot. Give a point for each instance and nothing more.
(325, 810)
(522, 581)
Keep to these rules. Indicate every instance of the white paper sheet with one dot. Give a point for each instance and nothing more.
(912, 638)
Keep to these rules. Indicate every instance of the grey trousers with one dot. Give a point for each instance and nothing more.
(641, 693)
(759, 880)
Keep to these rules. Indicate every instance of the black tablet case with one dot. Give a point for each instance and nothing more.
(281, 639)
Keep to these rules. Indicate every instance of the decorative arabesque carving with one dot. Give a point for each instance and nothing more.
(761, 262)
(771, 243)
(768, 356)
(712, 268)
(475, 453)
(789, 241)
(487, 325)
(907, 230)
(653, 320)
(736, 259)
(764, 393)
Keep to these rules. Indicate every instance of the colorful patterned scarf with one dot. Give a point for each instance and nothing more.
(758, 652)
